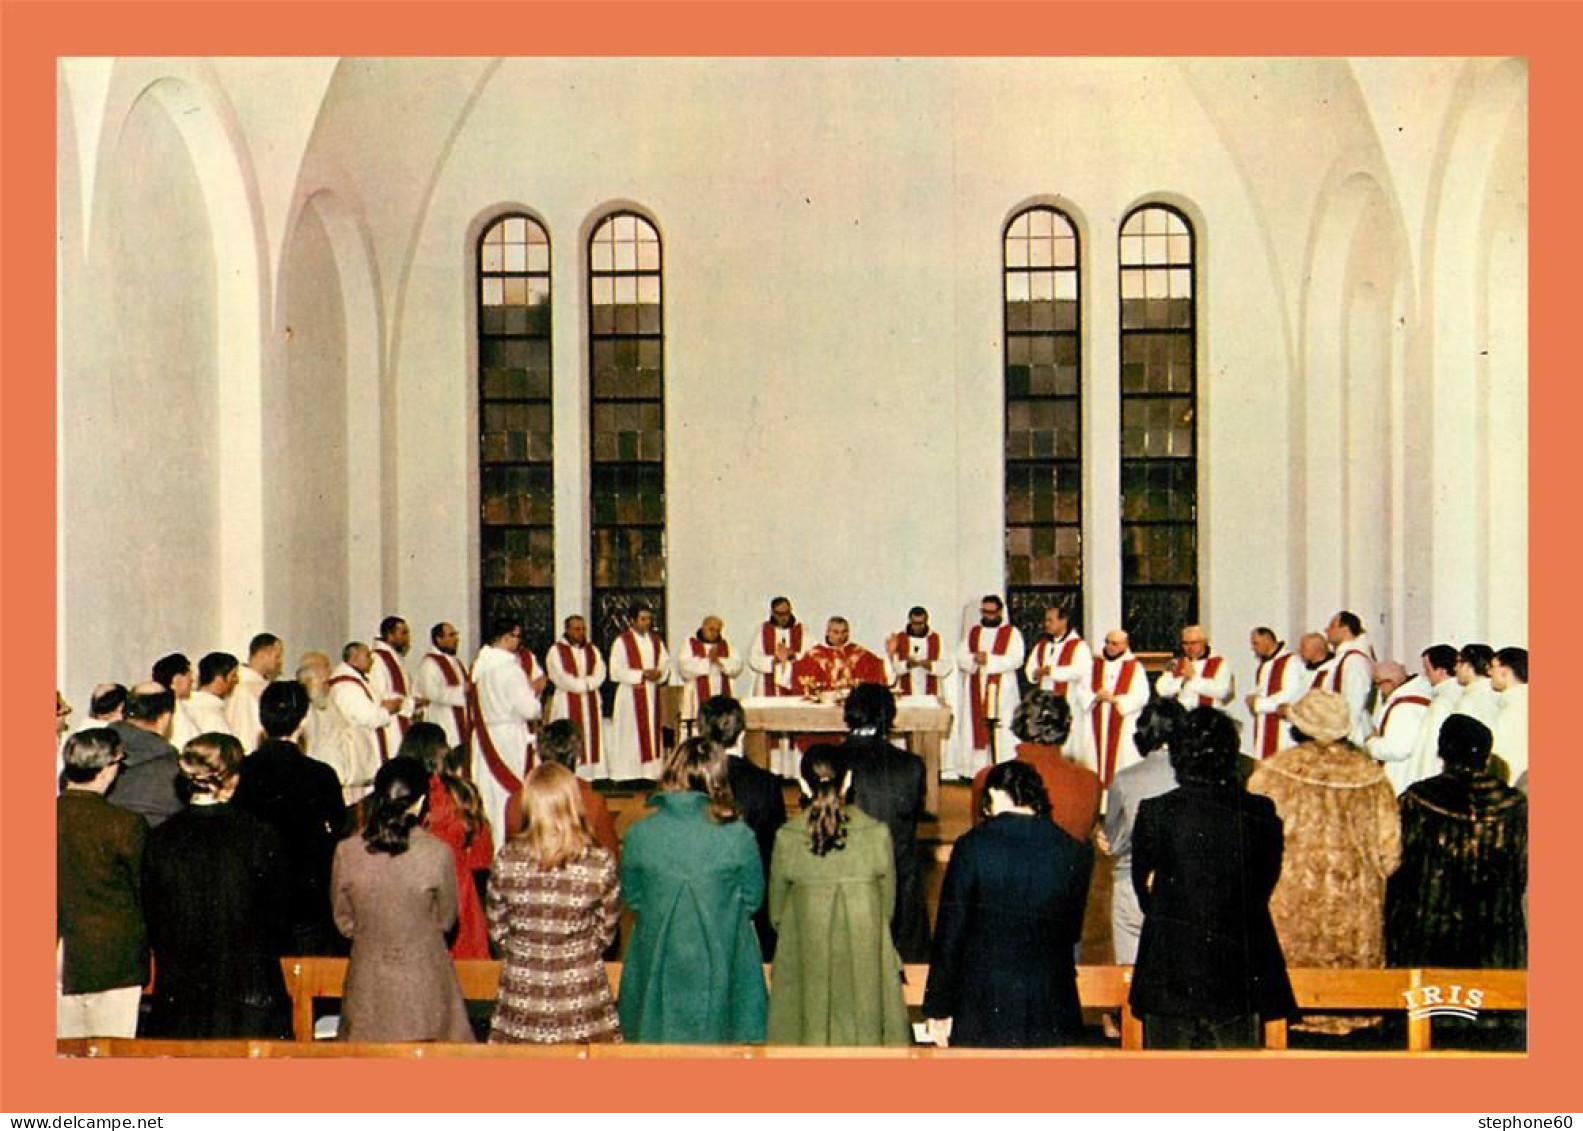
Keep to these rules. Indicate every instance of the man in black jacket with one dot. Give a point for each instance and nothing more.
(888, 785)
(301, 798)
(758, 793)
(147, 783)
(98, 905)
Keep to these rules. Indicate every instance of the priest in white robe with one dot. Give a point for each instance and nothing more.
(364, 713)
(918, 659)
(1117, 689)
(1509, 678)
(707, 665)
(1479, 697)
(1439, 668)
(779, 643)
(988, 657)
(1060, 659)
(266, 657)
(1352, 674)
(1197, 677)
(1402, 704)
(389, 679)
(1277, 683)
(217, 679)
(175, 672)
(640, 665)
(504, 707)
(328, 737)
(577, 670)
(441, 682)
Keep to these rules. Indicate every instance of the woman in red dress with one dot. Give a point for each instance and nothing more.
(456, 816)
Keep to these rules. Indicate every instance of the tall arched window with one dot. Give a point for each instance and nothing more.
(1044, 438)
(626, 352)
(1159, 441)
(516, 529)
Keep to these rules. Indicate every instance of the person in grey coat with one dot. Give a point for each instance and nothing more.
(1159, 724)
(147, 784)
(394, 895)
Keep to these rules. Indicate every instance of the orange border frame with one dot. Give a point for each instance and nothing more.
(33, 1079)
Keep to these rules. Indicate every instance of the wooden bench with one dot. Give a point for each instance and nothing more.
(1099, 988)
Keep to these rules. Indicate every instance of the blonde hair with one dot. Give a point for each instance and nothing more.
(555, 828)
(209, 764)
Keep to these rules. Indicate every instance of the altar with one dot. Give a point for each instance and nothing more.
(921, 720)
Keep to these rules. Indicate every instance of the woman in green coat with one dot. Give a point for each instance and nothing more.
(837, 978)
(691, 873)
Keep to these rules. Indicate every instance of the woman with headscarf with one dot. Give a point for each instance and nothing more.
(394, 892)
(837, 977)
(217, 896)
(1342, 841)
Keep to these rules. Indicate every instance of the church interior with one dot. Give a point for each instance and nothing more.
(1236, 342)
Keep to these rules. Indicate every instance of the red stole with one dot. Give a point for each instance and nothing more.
(379, 732)
(1107, 717)
(1268, 736)
(700, 650)
(1062, 659)
(502, 773)
(451, 670)
(647, 717)
(1335, 682)
(1385, 719)
(398, 684)
(979, 685)
(1211, 666)
(1318, 681)
(579, 703)
(794, 639)
(931, 682)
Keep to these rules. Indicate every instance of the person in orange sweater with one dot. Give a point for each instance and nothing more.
(1042, 721)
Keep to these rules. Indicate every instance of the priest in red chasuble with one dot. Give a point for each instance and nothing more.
(838, 664)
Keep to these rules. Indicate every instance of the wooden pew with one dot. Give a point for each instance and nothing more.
(1099, 987)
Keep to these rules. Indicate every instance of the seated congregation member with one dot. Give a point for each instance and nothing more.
(1011, 913)
(562, 743)
(147, 782)
(691, 874)
(1043, 721)
(456, 817)
(1205, 859)
(1457, 899)
(394, 890)
(217, 899)
(888, 785)
(1342, 838)
(837, 978)
(98, 908)
(1161, 725)
(757, 792)
(301, 799)
(554, 902)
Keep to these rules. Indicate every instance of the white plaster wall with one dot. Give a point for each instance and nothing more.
(832, 254)
(307, 600)
(143, 470)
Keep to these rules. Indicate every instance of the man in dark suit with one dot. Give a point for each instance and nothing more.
(888, 785)
(301, 798)
(758, 792)
(98, 906)
(147, 782)
(1205, 860)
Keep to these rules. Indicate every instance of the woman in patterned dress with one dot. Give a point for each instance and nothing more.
(553, 903)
